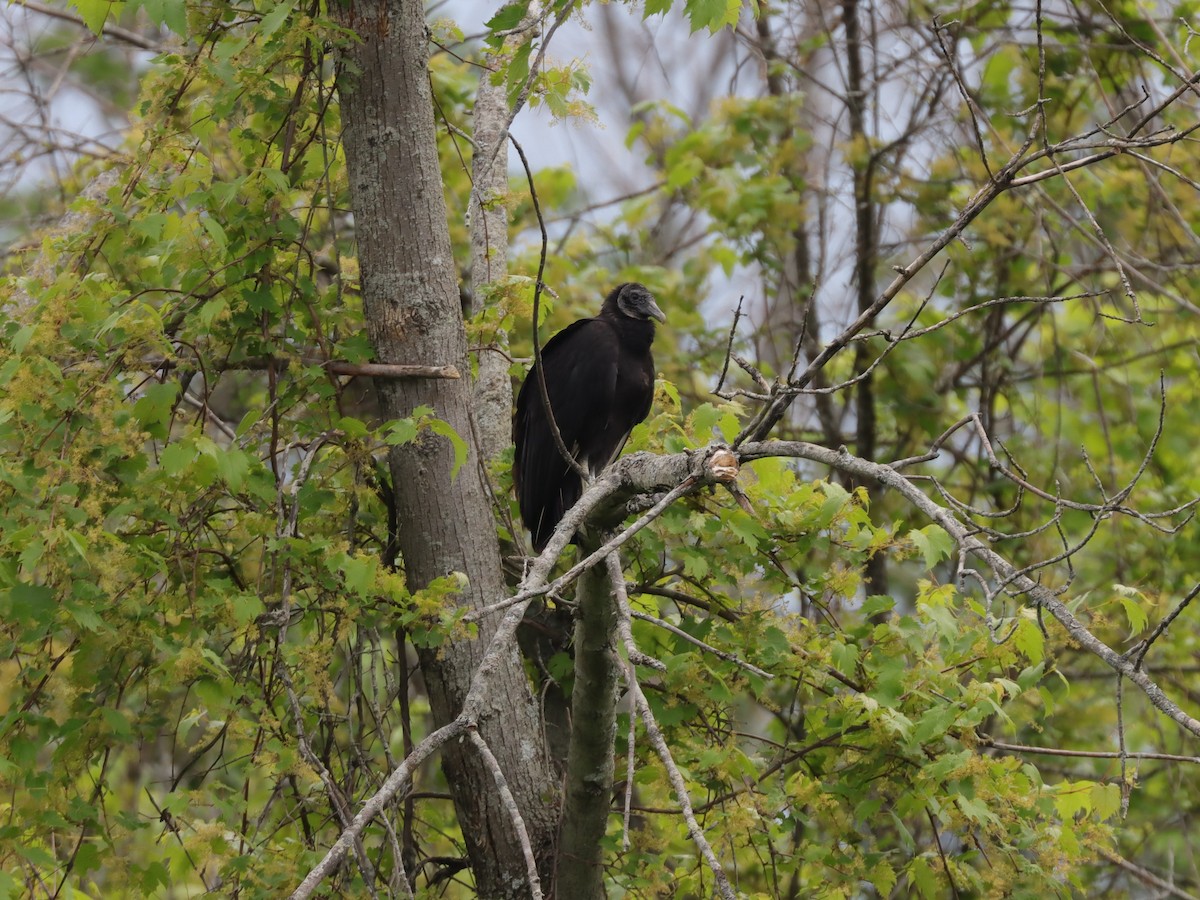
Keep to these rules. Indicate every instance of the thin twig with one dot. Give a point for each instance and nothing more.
(1122, 752)
(583, 565)
(1164, 624)
(510, 805)
(655, 735)
(708, 648)
(968, 100)
(937, 839)
(395, 782)
(737, 314)
(629, 763)
(543, 393)
(1143, 874)
(1083, 754)
(685, 466)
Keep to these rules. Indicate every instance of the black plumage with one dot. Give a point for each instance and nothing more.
(600, 382)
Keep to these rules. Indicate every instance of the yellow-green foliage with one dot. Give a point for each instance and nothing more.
(198, 575)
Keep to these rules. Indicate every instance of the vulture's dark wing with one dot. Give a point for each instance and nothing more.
(581, 364)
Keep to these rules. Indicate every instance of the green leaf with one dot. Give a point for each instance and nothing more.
(359, 574)
(716, 689)
(78, 543)
(1029, 639)
(712, 14)
(883, 877)
(749, 531)
(155, 875)
(934, 543)
(213, 694)
(95, 12)
(155, 406)
(33, 603)
(942, 767)
(37, 856)
(879, 603)
(87, 858)
(518, 71)
(695, 565)
(212, 310)
(216, 232)
(20, 340)
(1072, 798)
(271, 21)
(437, 426)
(401, 431)
(174, 458)
(1133, 602)
(889, 683)
(1105, 800)
(845, 657)
(232, 466)
(86, 617)
(704, 419)
(684, 171)
(246, 607)
(934, 723)
(976, 810)
(171, 13)
(117, 724)
(508, 17)
(353, 428)
(9, 886)
(923, 878)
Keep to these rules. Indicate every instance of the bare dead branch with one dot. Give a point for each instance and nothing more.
(334, 366)
(968, 100)
(737, 314)
(1084, 754)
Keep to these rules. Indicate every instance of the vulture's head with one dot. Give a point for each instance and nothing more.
(634, 301)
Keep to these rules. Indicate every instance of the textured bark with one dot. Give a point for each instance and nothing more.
(413, 315)
(489, 263)
(593, 730)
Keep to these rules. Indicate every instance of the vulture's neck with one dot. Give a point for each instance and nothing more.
(636, 334)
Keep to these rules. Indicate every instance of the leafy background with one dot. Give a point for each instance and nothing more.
(194, 518)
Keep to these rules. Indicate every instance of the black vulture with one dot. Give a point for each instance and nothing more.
(600, 381)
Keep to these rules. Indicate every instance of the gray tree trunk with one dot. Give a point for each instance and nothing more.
(489, 260)
(593, 730)
(412, 310)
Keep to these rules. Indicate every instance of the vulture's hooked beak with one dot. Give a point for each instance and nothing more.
(657, 313)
